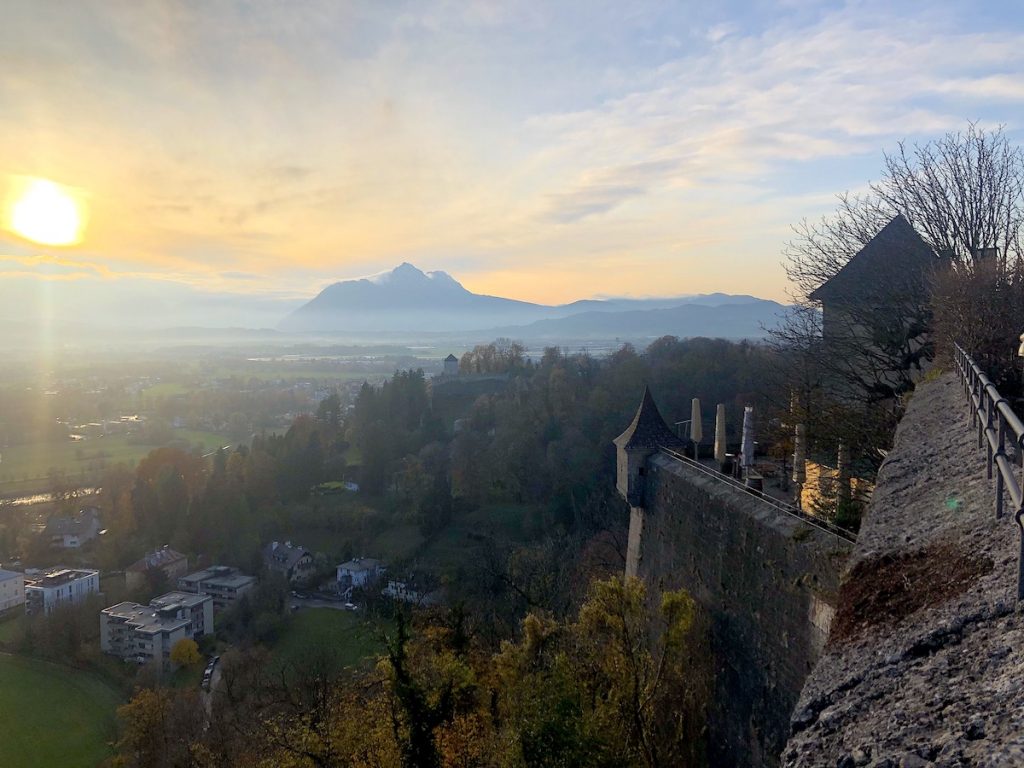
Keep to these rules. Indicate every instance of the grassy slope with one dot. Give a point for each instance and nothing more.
(52, 715)
(352, 637)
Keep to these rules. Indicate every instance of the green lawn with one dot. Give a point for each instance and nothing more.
(28, 465)
(324, 372)
(349, 636)
(166, 389)
(52, 715)
(10, 626)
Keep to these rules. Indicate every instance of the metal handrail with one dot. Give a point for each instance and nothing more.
(997, 424)
(776, 504)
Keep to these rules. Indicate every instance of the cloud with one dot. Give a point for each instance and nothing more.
(305, 143)
(848, 84)
(719, 32)
(604, 189)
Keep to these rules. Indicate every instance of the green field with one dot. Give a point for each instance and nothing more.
(27, 466)
(298, 370)
(166, 389)
(348, 636)
(11, 625)
(52, 715)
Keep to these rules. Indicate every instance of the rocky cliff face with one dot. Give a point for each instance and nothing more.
(925, 660)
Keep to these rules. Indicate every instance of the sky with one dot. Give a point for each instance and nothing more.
(545, 151)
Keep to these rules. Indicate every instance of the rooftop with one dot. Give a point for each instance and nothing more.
(157, 559)
(895, 259)
(648, 429)
(57, 577)
(5, 575)
(219, 575)
(283, 555)
(361, 564)
(161, 615)
(81, 523)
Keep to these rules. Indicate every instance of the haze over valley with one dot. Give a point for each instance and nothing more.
(511, 384)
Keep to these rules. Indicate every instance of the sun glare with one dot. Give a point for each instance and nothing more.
(45, 212)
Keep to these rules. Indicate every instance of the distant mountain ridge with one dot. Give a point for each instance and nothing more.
(409, 299)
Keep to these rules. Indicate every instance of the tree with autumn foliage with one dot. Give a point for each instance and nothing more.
(611, 687)
(185, 653)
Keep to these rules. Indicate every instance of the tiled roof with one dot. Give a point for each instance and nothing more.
(361, 564)
(72, 526)
(284, 556)
(157, 559)
(648, 429)
(893, 260)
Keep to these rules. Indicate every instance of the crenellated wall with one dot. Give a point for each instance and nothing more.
(767, 582)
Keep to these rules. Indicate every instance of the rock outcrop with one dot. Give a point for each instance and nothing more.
(925, 660)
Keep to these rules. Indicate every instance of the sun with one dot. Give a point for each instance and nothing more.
(45, 212)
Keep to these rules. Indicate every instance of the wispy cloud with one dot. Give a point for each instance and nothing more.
(311, 142)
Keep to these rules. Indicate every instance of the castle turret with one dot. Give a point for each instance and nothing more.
(644, 436)
(451, 366)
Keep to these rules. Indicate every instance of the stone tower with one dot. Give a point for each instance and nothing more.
(451, 366)
(643, 437)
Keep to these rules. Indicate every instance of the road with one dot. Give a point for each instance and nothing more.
(207, 696)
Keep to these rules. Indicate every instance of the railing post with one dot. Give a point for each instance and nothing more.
(1020, 557)
(999, 474)
(974, 408)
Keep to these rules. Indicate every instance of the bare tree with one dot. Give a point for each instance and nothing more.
(964, 195)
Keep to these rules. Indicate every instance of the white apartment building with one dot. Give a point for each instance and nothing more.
(59, 586)
(12, 590)
(147, 633)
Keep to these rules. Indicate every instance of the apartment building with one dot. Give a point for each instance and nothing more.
(223, 583)
(12, 590)
(147, 633)
(45, 591)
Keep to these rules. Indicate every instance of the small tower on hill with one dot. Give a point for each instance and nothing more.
(643, 437)
(451, 366)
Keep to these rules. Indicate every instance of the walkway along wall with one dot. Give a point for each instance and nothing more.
(766, 580)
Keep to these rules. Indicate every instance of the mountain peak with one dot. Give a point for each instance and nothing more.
(406, 298)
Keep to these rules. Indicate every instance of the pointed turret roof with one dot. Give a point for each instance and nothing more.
(648, 429)
(893, 260)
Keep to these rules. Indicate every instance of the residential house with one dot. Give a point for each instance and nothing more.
(147, 633)
(360, 572)
(166, 560)
(44, 592)
(12, 590)
(412, 591)
(223, 583)
(74, 531)
(294, 561)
